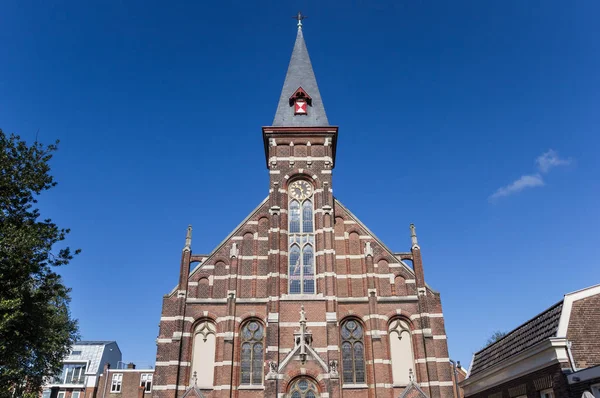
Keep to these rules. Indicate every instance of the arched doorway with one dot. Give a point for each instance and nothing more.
(303, 388)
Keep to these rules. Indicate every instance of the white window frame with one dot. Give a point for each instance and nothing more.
(146, 381)
(61, 394)
(116, 383)
(547, 393)
(76, 396)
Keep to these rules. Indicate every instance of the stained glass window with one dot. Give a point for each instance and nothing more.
(252, 353)
(353, 352)
(304, 388)
(307, 217)
(301, 261)
(294, 217)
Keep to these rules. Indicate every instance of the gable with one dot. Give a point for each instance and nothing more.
(412, 390)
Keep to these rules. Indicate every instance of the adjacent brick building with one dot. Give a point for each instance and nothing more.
(556, 354)
(302, 299)
(125, 383)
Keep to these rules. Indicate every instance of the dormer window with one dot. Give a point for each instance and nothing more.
(300, 100)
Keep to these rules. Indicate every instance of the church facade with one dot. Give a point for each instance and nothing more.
(301, 299)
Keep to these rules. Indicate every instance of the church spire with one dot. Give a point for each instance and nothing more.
(300, 103)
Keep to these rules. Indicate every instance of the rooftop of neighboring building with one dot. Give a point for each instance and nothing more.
(552, 322)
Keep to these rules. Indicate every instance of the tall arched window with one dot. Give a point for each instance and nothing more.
(301, 275)
(353, 352)
(203, 355)
(402, 352)
(303, 388)
(252, 353)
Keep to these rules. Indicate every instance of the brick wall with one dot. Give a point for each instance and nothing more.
(246, 278)
(130, 386)
(584, 332)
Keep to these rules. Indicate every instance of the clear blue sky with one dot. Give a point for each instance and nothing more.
(443, 109)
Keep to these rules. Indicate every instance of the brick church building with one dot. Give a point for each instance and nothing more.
(302, 299)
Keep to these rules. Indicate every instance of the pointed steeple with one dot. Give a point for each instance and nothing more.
(300, 83)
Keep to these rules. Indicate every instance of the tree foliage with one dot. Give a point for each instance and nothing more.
(36, 328)
(497, 335)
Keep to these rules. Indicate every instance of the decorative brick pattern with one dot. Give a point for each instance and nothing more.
(357, 276)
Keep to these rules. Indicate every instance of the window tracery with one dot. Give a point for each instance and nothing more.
(353, 352)
(301, 260)
(252, 353)
(304, 388)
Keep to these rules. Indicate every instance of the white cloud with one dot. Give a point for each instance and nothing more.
(526, 181)
(549, 160)
(544, 163)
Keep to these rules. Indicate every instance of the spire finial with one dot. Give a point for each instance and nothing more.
(299, 17)
(188, 239)
(413, 235)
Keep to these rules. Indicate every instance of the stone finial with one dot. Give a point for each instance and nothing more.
(413, 236)
(188, 239)
(368, 249)
(234, 251)
(302, 315)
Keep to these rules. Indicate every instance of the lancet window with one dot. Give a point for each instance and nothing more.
(203, 355)
(353, 352)
(402, 352)
(301, 274)
(252, 353)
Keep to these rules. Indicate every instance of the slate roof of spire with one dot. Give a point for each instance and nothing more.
(300, 74)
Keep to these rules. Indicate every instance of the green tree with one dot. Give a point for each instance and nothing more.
(497, 335)
(36, 328)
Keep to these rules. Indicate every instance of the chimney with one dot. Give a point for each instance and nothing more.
(131, 365)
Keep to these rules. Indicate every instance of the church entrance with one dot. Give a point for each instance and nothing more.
(303, 388)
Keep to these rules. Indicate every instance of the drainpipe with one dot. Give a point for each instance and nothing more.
(457, 391)
(570, 353)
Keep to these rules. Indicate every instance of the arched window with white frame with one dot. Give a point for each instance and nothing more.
(301, 245)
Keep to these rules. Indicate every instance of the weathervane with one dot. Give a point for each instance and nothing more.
(299, 17)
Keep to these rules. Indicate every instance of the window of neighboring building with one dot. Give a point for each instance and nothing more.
(75, 394)
(203, 355)
(353, 352)
(61, 394)
(301, 273)
(146, 381)
(117, 380)
(76, 353)
(549, 393)
(403, 363)
(252, 353)
(72, 373)
(46, 394)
